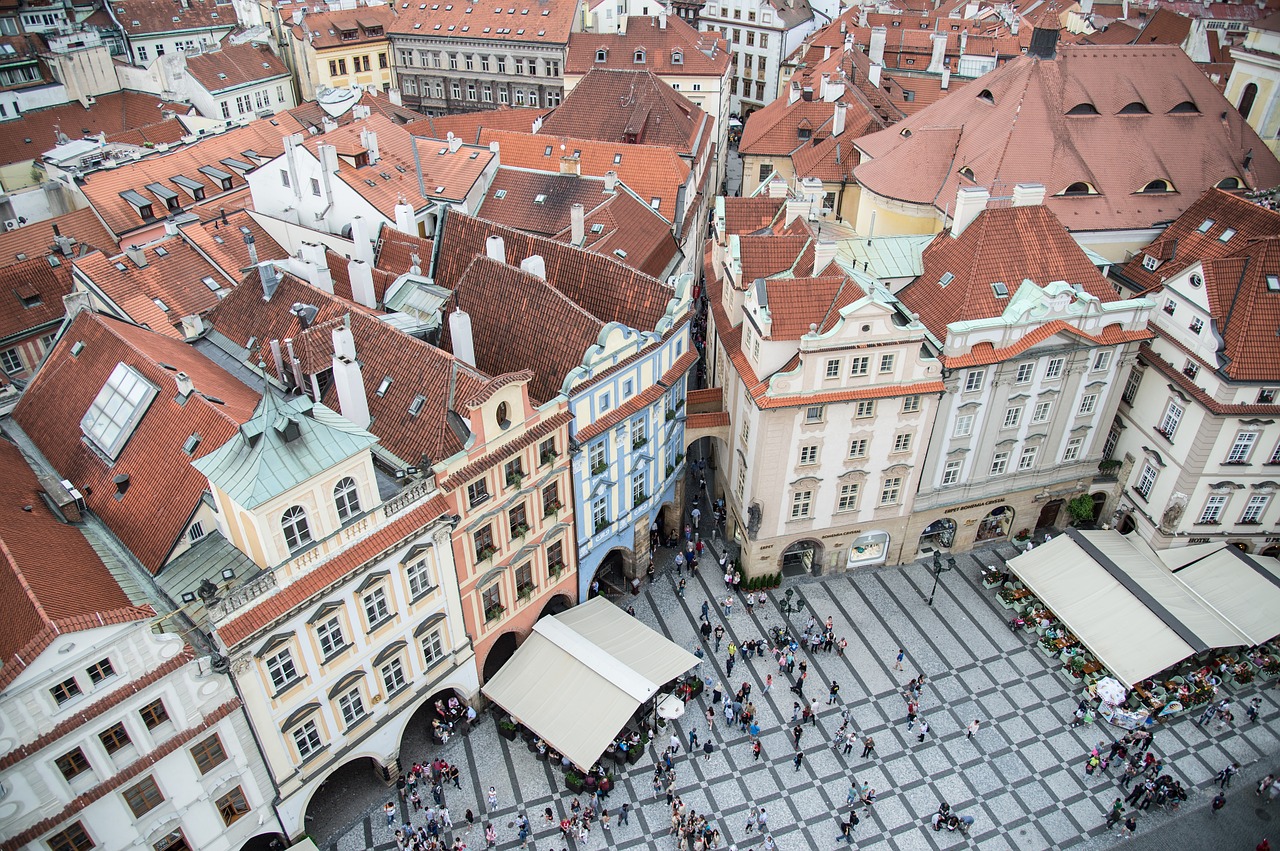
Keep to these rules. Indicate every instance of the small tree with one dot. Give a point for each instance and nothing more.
(1081, 509)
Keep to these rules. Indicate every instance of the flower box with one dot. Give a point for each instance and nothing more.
(602, 525)
(520, 530)
(548, 457)
(555, 569)
(514, 480)
(485, 552)
(494, 612)
(671, 415)
(524, 592)
(599, 468)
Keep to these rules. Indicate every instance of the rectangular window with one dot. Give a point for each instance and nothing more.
(1169, 423)
(891, 491)
(1242, 448)
(833, 369)
(351, 705)
(518, 520)
(808, 454)
(801, 504)
(1072, 452)
(551, 499)
(910, 404)
(999, 463)
(1170, 306)
(1054, 369)
(740, 486)
(1025, 371)
(421, 580)
(1087, 403)
(72, 763)
(329, 634)
(1101, 361)
(902, 442)
(232, 806)
(432, 648)
(307, 740)
(637, 489)
(375, 607)
(886, 363)
(973, 380)
(600, 514)
(597, 456)
(208, 754)
(964, 426)
(813, 414)
(547, 450)
(143, 797)
(858, 448)
(71, 838)
(101, 670)
(393, 678)
(1146, 480)
(848, 497)
(951, 472)
(154, 714)
(555, 555)
(865, 408)
(513, 472)
(1041, 412)
(859, 365)
(746, 430)
(1131, 387)
(281, 669)
(1028, 458)
(117, 409)
(1012, 416)
(1213, 506)
(114, 737)
(315, 187)
(1254, 509)
(477, 492)
(1197, 325)
(483, 540)
(1275, 455)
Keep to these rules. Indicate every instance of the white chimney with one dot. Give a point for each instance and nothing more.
(455, 143)
(1028, 194)
(610, 181)
(348, 378)
(946, 79)
(192, 327)
(776, 188)
(826, 52)
(822, 86)
(878, 37)
(578, 224)
(361, 275)
(138, 255)
(185, 387)
(938, 60)
(970, 201)
(328, 124)
(873, 75)
(395, 97)
(460, 333)
(495, 248)
(314, 255)
(534, 265)
(328, 157)
(835, 91)
(369, 139)
(404, 219)
(824, 251)
(837, 120)
(362, 239)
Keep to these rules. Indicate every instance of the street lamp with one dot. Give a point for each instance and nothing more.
(938, 570)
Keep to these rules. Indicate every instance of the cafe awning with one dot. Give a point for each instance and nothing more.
(1140, 612)
(581, 674)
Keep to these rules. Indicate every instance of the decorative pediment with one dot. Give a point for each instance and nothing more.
(273, 643)
(390, 650)
(428, 624)
(372, 579)
(1226, 486)
(1177, 391)
(324, 611)
(413, 552)
(345, 682)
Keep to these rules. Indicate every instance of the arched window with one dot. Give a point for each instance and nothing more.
(985, 95)
(297, 532)
(1155, 186)
(1083, 109)
(967, 172)
(677, 57)
(347, 498)
(1185, 107)
(1135, 108)
(1246, 99)
(1230, 183)
(1080, 188)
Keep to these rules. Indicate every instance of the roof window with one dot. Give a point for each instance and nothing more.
(1227, 234)
(597, 228)
(677, 57)
(1273, 284)
(1000, 289)
(1186, 107)
(383, 387)
(622, 254)
(540, 199)
(160, 304)
(1083, 109)
(500, 194)
(1080, 187)
(211, 283)
(638, 58)
(1135, 108)
(968, 172)
(946, 278)
(547, 152)
(985, 95)
(191, 444)
(117, 409)
(617, 158)
(1230, 183)
(415, 407)
(655, 203)
(1156, 186)
(1205, 225)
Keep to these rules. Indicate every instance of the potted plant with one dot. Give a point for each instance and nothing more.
(519, 530)
(1023, 535)
(524, 592)
(634, 754)
(494, 612)
(602, 525)
(599, 468)
(679, 404)
(507, 729)
(514, 479)
(1081, 509)
(638, 442)
(1076, 665)
(1108, 466)
(671, 468)
(552, 508)
(555, 569)
(573, 781)
(548, 456)
(671, 414)
(486, 552)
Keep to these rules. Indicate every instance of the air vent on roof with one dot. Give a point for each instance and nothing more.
(419, 26)
(474, 154)
(500, 194)
(542, 32)
(384, 175)
(55, 260)
(540, 199)
(442, 152)
(415, 407)
(176, 19)
(620, 253)
(222, 76)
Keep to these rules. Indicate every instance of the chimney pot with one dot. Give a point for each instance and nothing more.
(138, 255)
(348, 377)
(460, 336)
(495, 248)
(535, 265)
(970, 201)
(185, 387)
(1028, 194)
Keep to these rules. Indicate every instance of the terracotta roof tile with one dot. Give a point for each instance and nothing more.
(143, 17)
(223, 242)
(235, 65)
(467, 125)
(1171, 372)
(985, 353)
(31, 295)
(111, 114)
(1244, 307)
(328, 29)
(36, 238)
(788, 129)
(395, 250)
(700, 54)
(163, 487)
(750, 214)
(712, 419)
(797, 303)
(637, 403)
(535, 23)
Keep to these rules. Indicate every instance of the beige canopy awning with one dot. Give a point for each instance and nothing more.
(1140, 612)
(581, 674)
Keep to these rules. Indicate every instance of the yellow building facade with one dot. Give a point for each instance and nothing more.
(342, 49)
(1254, 85)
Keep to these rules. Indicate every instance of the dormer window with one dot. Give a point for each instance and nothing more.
(967, 172)
(297, 531)
(677, 57)
(1080, 187)
(1155, 187)
(1186, 107)
(602, 55)
(1230, 183)
(638, 58)
(1083, 109)
(986, 96)
(1135, 108)
(1150, 263)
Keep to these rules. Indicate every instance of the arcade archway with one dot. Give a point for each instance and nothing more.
(420, 736)
(499, 653)
(340, 800)
(265, 842)
(801, 558)
(557, 604)
(938, 535)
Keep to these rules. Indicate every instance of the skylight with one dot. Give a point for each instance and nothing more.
(597, 228)
(1205, 225)
(1273, 283)
(1000, 289)
(383, 387)
(117, 410)
(211, 283)
(946, 278)
(540, 199)
(415, 407)
(500, 194)
(1227, 234)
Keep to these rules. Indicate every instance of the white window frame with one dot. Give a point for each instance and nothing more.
(1054, 369)
(1072, 452)
(902, 442)
(964, 425)
(848, 497)
(1012, 416)
(1088, 403)
(306, 738)
(891, 490)
(1026, 371)
(376, 608)
(859, 366)
(117, 409)
(1146, 480)
(393, 678)
(421, 576)
(1041, 411)
(808, 454)
(346, 499)
(1169, 422)
(973, 380)
(1255, 508)
(801, 504)
(330, 637)
(1027, 459)
(858, 447)
(999, 463)
(281, 669)
(951, 472)
(1101, 360)
(351, 706)
(1242, 447)
(1214, 506)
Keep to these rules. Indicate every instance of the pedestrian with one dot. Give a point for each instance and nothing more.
(840, 646)
(674, 743)
(763, 822)
(1264, 845)
(755, 750)
(623, 813)
(693, 740)
(390, 811)
(868, 747)
(1219, 801)
(1252, 710)
(912, 708)
(1130, 825)
(833, 689)
(696, 514)
(1224, 776)
(768, 682)
(924, 730)
(799, 758)
(1114, 814)
(796, 732)
(897, 665)
(679, 564)
(493, 798)
(972, 728)
(706, 611)
(707, 749)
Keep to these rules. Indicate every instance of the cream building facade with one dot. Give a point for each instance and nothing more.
(1254, 84)
(339, 49)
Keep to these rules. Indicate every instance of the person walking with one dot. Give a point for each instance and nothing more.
(1219, 801)
(1115, 813)
(1252, 710)
(1130, 825)
(897, 665)
(868, 747)
(623, 813)
(972, 728)
(768, 683)
(693, 740)
(799, 758)
(707, 749)
(390, 811)
(912, 709)
(924, 730)
(1224, 776)
(492, 798)
(833, 690)
(755, 750)
(796, 732)
(674, 743)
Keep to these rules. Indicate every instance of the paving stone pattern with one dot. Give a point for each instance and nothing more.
(1021, 776)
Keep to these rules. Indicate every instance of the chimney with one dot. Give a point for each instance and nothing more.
(878, 37)
(610, 181)
(776, 188)
(578, 223)
(270, 279)
(862, 17)
(369, 139)
(361, 275)
(495, 248)
(571, 165)
(395, 97)
(826, 52)
(348, 377)
(970, 201)
(824, 251)
(806, 93)
(328, 158)
(534, 265)
(454, 143)
(65, 244)
(1014, 23)
(137, 255)
(404, 219)
(170, 227)
(362, 239)
(460, 335)
(946, 79)
(1044, 43)
(328, 124)
(277, 358)
(938, 60)
(835, 91)
(1028, 194)
(253, 249)
(662, 18)
(964, 41)
(317, 261)
(837, 120)
(1086, 7)
(75, 303)
(185, 387)
(192, 327)
(822, 86)
(873, 75)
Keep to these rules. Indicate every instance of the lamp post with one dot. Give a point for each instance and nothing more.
(938, 570)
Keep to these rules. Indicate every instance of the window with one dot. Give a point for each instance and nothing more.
(801, 504)
(746, 430)
(859, 365)
(1131, 387)
(195, 532)
(513, 472)
(551, 499)
(114, 737)
(71, 838)
(432, 648)
(1025, 371)
(208, 754)
(865, 408)
(1170, 306)
(143, 796)
(375, 607)
(307, 740)
(347, 498)
(891, 491)
(72, 763)
(910, 404)
(1213, 506)
(1101, 360)
(1054, 369)
(483, 539)
(315, 187)
(964, 426)
(154, 714)
(637, 488)
(1267, 396)
(297, 532)
(1087, 403)
(1012, 416)
(597, 457)
(517, 520)
(1254, 509)
(639, 434)
(902, 442)
(477, 492)
(951, 472)
(973, 381)
(1027, 459)
(1146, 480)
(848, 497)
(1072, 452)
(999, 463)
(858, 448)
(547, 450)
(1275, 455)
(1242, 448)
(833, 369)
(117, 409)
(600, 513)
(813, 414)
(100, 671)
(329, 634)
(232, 806)
(524, 578)
(1169, 423)
(351, 705)
(393, 678)
(1197, 325)
(420, 576)
(808, 454)
(281, 670)
(10, 360)
(886, 363)
(1041, 412)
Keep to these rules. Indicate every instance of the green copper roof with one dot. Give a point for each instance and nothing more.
(286, 442)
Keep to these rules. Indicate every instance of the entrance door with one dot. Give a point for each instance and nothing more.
(1049, 514)
(799, 558)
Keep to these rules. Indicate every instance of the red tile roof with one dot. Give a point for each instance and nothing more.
(637, 403)
(700, 54)
(1245, 309)
(787, 129)
(1003, 244)
(1188, 386)
(36, 238)
(164, 488)
(45, 596)
(145, 17)
(748, 215)
(395, 249)
(467, 125)
(234, 65)
(1014, 128)
(985, 353)
(31, 295)
(223, 243)
(534, 23)
(324, 29)
(112, 114)
(797, 303)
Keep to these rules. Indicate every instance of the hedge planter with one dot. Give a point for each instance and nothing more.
(508, 730)
(633, 755)
(573, 783)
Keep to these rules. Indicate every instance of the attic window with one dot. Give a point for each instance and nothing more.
(1000, 289)
(655, 203)
(54, 260)
(161, 251)
(946, 278)
(500, 194)
(439, 190)
(1156, 186)
(117, 410)
(677, 57)
(968, 172)
(119, 266)
(211, 283)
(191, 444)
(905, 133)
(638, 58)
(1135, 108)
(222, 76)
(620, 253)
(1083, 109)
(1186, 107)
(1273, 284)
(160, 304)
(617, 158)
(1227, 234)
(985, 95)
(540, 199)
(547, 152)
(1205, 225)
(804, 133)
(602, 55)
(32, 300)
(415, 407)
(1080, 188)
(1230, 183)
(597, 228)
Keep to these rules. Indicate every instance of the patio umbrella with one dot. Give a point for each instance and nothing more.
(1110, 691)
(671, 707)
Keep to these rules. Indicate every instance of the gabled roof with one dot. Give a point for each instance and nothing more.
(699, 54)
(1184, 243)
(37, 238)
(1006, 245)
(395, 249)
(631, 107)
(113, 114)
(163, 487)
(775, 130)
(467, 125)
(31, 295)
(222, 239)
(1014, 127)
(285, 443)
(535, 23)
(324, 29)
(797, 303)
(1244, 303)
(749, 214)
(45, 597)
(235, 65)
(158, 17)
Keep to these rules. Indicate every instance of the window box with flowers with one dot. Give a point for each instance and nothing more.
(494, 612)
(671, 414)
(639, 441)
(599, 468)
(514, 479)
(679, 404)
(524, 592)
(486, 552)
(552, 508)
(519, 530)
(555, 569)
(602, 525)
(548, 456)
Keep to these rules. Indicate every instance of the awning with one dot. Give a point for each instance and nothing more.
(1140, 612)
(582, 674)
